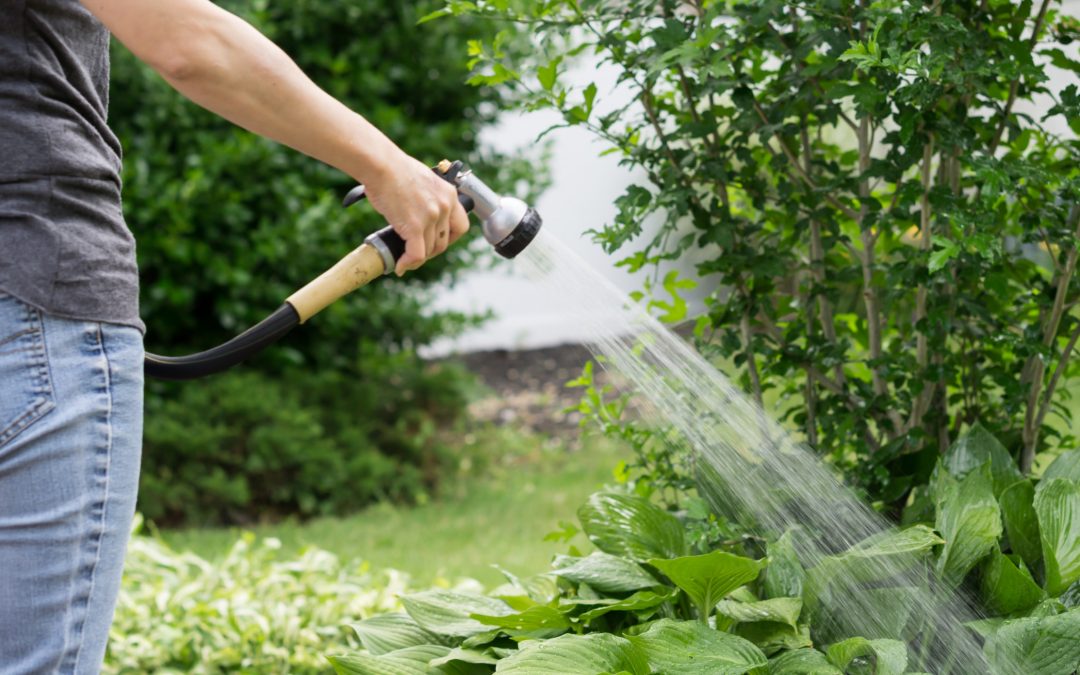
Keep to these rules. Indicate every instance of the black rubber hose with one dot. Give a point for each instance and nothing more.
(225, 356)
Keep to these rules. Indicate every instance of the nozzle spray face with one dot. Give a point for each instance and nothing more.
(509, 224)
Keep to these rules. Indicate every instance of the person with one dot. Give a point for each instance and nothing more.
(71, 349)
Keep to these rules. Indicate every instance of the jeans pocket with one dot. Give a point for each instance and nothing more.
(25, 384)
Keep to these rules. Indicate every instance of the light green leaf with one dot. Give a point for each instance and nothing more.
(707, 578)
(484, 657)
(389, 632)
(976, 448)
(885, 657)
(408, 661)
(944, 251)
(1066, 465)
(868, 561)
(1046, 645)
(1021, 522)
(690, 648)
(547, 74)
(537, 621)
(1006, 588)
(969, 520)
(1057, 503)
(802, 662)
(785, 574)
(772, 636)
(631, 527)
(604, 572)
(638, 602)
(782, 610)
(576, 655)
(449, 612)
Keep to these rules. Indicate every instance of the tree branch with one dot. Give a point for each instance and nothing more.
(1015, 85)
(922, 350)
(1035, 366)
(1048, 397)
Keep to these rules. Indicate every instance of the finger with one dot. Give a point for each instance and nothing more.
(442, 234)
(429, 239)
(459, 222)
(414, 255)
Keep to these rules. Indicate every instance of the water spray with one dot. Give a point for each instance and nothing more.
(508, 224)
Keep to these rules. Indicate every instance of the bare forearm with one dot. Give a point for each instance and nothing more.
(222, 63)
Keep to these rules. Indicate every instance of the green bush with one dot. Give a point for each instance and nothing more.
(245, 447)
(887, 227)
(650, 600)
(229, 224)
(251, 612)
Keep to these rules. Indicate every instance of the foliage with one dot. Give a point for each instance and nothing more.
(884, 231)
(228, 224)
(733, 610)
(246, 447)
(252, 611)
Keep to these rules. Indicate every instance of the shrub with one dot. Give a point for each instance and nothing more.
(883, 232)
(650, 601)
(228, 224)
(250, 612)
(244, 446)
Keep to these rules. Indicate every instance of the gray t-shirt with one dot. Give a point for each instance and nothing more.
(64, 246)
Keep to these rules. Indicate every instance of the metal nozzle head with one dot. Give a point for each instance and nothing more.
(521, 236)
(509, 224)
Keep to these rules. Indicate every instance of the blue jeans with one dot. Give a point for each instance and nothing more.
(71, 395)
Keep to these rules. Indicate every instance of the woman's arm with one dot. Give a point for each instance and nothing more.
(222, 63)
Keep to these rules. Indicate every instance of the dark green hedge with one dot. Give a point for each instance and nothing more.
(228, 224)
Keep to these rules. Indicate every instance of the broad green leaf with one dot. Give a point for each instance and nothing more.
(969, 520)
(389, 632)
(604, 572)
(448, 612)
(977, 447)
(885, 657)
(638, 602)
(873, 559)
(1071, 597)
(707, 578)
(690, 647)
(785, 574)
(1057, 503)
(576, 655)
(631, 527)
(782, 610)
(1048, 645)
(537, 621)
(804, 661)
(479, 656)
(1021, 522)
(408, 661)
(1006, 588)
(1067, 465)
(772, 636)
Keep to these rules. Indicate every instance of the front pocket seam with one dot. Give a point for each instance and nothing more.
(41, 380)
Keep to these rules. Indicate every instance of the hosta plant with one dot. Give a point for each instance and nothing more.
(648, 600)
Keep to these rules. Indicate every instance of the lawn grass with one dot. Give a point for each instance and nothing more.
(493, 514)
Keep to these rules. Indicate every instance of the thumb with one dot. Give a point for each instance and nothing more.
(414, 254)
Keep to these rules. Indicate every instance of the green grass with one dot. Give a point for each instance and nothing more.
(493, 511)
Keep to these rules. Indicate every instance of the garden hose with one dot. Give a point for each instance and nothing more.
(509, 225)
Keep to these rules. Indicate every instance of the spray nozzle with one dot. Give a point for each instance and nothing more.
(508, 224)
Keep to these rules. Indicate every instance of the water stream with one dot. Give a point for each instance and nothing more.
(762, 477)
